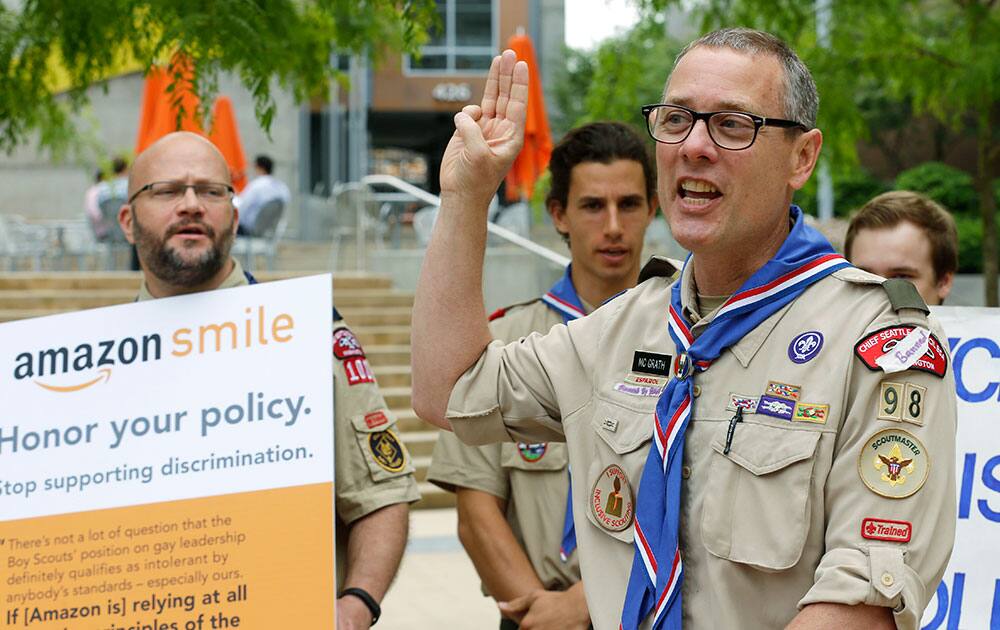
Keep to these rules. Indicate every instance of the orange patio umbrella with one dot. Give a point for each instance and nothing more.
(158, 116)
(226, 136)
(534, 156)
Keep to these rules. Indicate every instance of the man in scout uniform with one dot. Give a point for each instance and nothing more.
(513, 515)
(182, 221)
(783, 477)
(903, 234)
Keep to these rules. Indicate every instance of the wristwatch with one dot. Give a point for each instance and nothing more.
(368, 600)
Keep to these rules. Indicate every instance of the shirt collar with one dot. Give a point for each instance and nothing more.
(236, 278)
(745, 349)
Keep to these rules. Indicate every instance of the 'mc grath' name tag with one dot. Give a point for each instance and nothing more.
(651, 363)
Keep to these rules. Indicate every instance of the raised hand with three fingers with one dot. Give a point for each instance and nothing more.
(489, 136)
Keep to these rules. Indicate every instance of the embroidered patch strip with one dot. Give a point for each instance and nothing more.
(808, 412)
(883, 529)
(775, 407)
(738, 401)
(783, 390)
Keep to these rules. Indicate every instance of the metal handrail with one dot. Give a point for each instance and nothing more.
(433, 200)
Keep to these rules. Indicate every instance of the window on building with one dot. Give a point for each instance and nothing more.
(463, 41)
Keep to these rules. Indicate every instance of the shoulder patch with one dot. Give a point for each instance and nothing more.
(881, 342)
(658, 267)
(902, 294)
(346, 345)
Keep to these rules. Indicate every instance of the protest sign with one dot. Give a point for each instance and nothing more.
(168, 464)
(969, 594)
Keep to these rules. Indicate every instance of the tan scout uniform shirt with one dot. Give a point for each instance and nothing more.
(535, 490)
(366, 477)
(779, 522)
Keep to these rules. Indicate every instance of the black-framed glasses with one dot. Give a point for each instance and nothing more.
(171, 191)
(731, 130)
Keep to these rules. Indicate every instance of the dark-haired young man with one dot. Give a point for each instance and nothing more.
(513, 517)
(903, 234)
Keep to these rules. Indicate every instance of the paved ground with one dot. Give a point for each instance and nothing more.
(437, 586)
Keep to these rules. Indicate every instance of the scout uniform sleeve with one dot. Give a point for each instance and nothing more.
(520, 390)
(373, 467)
(458, 465)
(890, 496)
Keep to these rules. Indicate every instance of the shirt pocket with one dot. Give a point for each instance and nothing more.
(758, 499)
(620, 451)
(539, 457)
(381, 449)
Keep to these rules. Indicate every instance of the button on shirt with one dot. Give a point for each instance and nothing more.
(777, 519)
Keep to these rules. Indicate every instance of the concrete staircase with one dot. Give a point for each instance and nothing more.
(379, 316)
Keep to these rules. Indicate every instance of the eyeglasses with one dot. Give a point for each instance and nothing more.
(735, 131)
(169, 192)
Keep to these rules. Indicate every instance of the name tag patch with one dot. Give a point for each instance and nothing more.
(651, 363)
(638, 390)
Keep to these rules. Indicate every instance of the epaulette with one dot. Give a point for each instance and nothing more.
(500, 312)
(902, 294)
(658, 267)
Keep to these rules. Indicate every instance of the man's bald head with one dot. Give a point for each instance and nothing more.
(179, 156)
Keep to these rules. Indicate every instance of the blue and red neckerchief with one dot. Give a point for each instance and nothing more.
(654, 585)
(562, 298)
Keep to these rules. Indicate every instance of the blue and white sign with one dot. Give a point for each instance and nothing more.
(969, 594)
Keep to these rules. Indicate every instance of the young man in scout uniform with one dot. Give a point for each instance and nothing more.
(513, 516)
(182, 221)
(903, 234)
(783, 477)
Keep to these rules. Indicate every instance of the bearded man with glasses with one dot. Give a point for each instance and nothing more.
(181, 218)
(751, 443)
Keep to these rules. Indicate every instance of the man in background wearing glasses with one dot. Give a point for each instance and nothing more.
(181, 218)
(776, 470)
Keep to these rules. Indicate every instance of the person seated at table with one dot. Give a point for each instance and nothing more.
(261, 190)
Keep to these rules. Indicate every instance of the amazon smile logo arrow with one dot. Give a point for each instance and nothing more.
(105, 376)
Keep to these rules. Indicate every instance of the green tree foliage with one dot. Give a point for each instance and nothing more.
(262, 42)
(941, 57)
(613, 81)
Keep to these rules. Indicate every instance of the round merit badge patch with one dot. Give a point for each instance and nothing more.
(387, 451)
(531, 453)
(611, 500)
(893, 463)
(805, 347)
